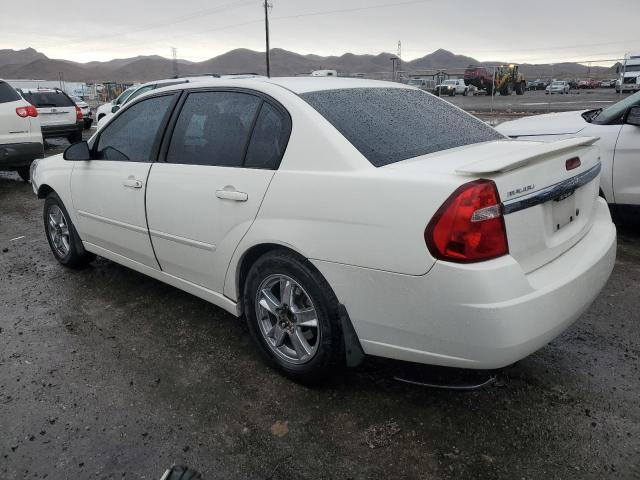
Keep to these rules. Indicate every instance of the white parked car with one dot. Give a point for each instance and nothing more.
(87, 116)
(452, 87)
(558, 86)
(20, 136)
(106, 108)
(340, 216)
(59, 116)
(618, 130)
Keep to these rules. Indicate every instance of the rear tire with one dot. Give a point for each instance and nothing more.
(24, 174)
(281, 292)
(520, 88)
(62, 236)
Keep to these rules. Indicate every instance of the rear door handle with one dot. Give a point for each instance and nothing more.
(232, 195)
(132, 183)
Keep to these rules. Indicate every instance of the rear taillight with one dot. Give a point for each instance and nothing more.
(78, 113)
(28, 111)
(469, 226)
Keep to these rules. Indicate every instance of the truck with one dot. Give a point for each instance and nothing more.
(507, 79)
(629, 71)
(479, 77)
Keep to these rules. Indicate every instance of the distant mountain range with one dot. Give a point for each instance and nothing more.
(31, 64)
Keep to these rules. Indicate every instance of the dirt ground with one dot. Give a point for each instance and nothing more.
(105, 373)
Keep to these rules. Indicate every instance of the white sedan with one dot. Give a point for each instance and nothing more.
(618, 130)
(341, 217)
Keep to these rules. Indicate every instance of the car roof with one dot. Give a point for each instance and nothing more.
(296, 85)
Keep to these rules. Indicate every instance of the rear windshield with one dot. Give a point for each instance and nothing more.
(8, 93)
(48, 99)
(388, 125)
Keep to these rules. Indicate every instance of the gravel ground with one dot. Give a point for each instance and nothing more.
(105, 373)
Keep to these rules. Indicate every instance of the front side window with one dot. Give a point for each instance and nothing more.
(615, 112)
(388, 125)
(139, 92)
(132, 135)
(213, 128)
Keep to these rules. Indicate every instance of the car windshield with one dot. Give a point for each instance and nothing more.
(388, 125)
(124, 95)
(48, 99)
(449, 82)
(415, 82)
(558, 84)
(615, 112)
(632, 68)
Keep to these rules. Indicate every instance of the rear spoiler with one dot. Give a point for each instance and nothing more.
(538, 151)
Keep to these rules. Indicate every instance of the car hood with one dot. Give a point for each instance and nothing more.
(548, 124)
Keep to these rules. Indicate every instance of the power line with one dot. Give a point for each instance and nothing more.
(151, 26)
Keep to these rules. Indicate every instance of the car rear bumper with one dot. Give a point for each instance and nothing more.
(485, 315)
(53, 131)
(14, 155)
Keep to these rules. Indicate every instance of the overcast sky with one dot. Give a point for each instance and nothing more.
(537, 31)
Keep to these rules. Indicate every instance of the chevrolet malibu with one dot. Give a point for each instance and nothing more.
(340, 217)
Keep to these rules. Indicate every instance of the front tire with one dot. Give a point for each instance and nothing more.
(75, 137)
(62, 236)
(24, 174)
(293, 318)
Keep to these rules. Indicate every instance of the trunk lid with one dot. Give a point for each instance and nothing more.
(548, 124)
(548, 207)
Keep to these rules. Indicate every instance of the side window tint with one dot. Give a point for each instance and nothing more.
(213, 129)
(132, 134)
(269, 139)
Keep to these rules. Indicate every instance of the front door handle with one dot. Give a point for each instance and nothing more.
(232, 195)
(132, 183)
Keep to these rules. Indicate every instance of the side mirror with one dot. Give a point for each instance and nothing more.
(77, 152)
(633, 116)
(115, 108)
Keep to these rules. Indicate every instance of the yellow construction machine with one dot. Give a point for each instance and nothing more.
(509, 79)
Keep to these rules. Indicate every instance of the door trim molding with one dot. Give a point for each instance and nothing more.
(110, 221)
(185, 241)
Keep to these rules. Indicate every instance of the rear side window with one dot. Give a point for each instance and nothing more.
(133, 134)
(388, 125)
(48, 99)
(269, 139)
(213, 129)
(8, 93)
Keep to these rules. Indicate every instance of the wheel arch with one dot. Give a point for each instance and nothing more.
(44, 190)
(353, 351)
(249, 257)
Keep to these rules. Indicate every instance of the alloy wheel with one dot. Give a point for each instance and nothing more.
(287, 319)
(58, 231)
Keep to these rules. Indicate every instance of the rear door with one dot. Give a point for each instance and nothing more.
(204, 197)
(55, 108)
(109, 191)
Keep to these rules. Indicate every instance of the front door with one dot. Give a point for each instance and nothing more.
(108, 191)
(626, 166)
(204, 197)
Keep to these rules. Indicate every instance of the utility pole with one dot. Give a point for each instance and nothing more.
(400, 59)
(266, 31)
(393, 68)
(174, 51)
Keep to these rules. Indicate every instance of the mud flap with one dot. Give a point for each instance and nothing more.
(352, 348)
